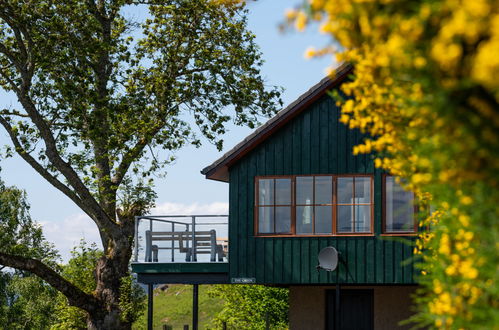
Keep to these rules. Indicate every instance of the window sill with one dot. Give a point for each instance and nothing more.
(399, 234)
(310, 236)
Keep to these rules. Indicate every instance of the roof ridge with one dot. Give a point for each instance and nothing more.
(288, 112)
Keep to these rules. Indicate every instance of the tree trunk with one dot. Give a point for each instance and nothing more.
(110, 269)
(107, 321)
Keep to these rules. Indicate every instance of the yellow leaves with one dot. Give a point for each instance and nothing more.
(326, 27)
(444, 245)
(464, 220)
(486, 65)
(301, 21)
(412, 69)
(437, 286)
(467, 270)
(291, 14)
(446, 54)
(421, 178)
(419, 62)
(466, 200)
(477, 8)
(344, 118)
(317, 4)
(310, 52)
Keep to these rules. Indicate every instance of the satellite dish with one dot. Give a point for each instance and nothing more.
(328, 259)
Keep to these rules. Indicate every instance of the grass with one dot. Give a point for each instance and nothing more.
(173, 306)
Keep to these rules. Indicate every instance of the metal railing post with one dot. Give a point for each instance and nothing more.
(194, 257)
(173, 242)
(136, 239)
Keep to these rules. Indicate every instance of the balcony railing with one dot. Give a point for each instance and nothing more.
(181, 238)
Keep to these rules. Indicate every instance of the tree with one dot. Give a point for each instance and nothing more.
(100, 96)
(252, 306)
(425, 88)
(80, 271)
(26, 302)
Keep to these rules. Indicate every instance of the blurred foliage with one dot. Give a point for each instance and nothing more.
(26, 302)
(80, 271)
(425, 87)
(250, 306)
(19, 234)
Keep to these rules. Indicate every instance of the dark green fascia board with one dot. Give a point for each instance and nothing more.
(191, 267)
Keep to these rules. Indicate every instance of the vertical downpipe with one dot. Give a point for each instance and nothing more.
(337, 308)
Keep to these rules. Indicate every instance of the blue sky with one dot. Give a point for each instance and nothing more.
(184, 189)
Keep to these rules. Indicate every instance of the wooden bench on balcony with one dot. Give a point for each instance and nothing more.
(205, 243)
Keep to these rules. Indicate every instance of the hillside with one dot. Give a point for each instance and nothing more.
(173, 306)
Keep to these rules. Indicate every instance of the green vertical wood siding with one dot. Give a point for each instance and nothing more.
(314, 142)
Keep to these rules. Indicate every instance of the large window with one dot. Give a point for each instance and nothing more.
(399, 208)
(314, 205)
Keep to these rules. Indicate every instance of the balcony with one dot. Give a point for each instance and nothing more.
(181, 249)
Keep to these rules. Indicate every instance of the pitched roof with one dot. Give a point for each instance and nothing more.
(218, 170)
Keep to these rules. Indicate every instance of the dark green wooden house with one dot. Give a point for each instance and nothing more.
(294, 189)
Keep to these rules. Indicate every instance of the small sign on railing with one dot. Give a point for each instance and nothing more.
(243, 280)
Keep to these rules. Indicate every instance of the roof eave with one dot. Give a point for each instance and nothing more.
(219, 170)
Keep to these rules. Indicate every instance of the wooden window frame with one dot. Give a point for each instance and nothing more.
(257, 205)
(293, 205)
(335, 196)
(385, 232)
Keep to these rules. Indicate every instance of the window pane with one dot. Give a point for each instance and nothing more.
(345, 190)
(323, 220)
(266, 191)
(362, 218)
(282, 219)
(304, 190)
(344, 221)
(399, 207)
(362, 190)
(323, 190)
(265, 220)
(283, 191)
(304, 219)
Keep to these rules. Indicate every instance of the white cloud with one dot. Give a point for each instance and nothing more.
(67, 233)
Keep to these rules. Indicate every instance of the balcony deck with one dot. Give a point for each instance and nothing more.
(189, 249)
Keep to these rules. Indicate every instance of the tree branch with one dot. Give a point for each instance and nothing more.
(95, 211)
(132, 154)
(75, 295)
(41, 170)
(98, 214)
(12, 84)
(6, 112)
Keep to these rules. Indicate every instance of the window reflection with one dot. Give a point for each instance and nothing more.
(399, 207)
(306, 205)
